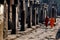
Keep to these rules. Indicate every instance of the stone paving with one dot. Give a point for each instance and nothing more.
(41, 33)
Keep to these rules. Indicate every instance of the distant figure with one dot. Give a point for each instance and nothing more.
(52, 21)
(46, 21)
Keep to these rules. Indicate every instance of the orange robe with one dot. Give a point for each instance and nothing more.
(46, 21)
(52, 21)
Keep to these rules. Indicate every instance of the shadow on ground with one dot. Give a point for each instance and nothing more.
(58, 34)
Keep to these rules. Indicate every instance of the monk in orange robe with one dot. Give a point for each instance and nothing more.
(52, 21)
(46, 21)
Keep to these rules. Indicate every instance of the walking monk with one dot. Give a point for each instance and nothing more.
(46, 21)
(52, 21)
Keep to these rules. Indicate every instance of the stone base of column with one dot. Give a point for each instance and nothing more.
(1, 31)
(22, 21)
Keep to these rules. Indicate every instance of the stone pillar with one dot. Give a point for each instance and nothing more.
(10, 3)
(1, 31)
(13, 19)
(14, 16)
(1, 21)
(55, 14)
(17, 14)
(53, 11)
(30, 14)
(23, 16)
(45, 11)
(41, 16)
(37, 12)
(8, 14)
(37, 18)
(34, 17)
(5, 30)
(24, 9)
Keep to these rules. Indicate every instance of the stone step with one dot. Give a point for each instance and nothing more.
(11, 37)
(9, 32)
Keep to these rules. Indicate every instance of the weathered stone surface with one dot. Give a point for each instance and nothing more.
(1, 21)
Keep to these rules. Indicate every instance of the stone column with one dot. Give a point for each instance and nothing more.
(1, 31)
(24, 9)
(23, 16)
(1, 21)
(13, 19)
(17, 14)
(34, 17)
(37, 17)
(14, 16)
(37, 11)
(30, 14)
(8, 1)
(41, 16)
(5, 30)
(55, 14)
